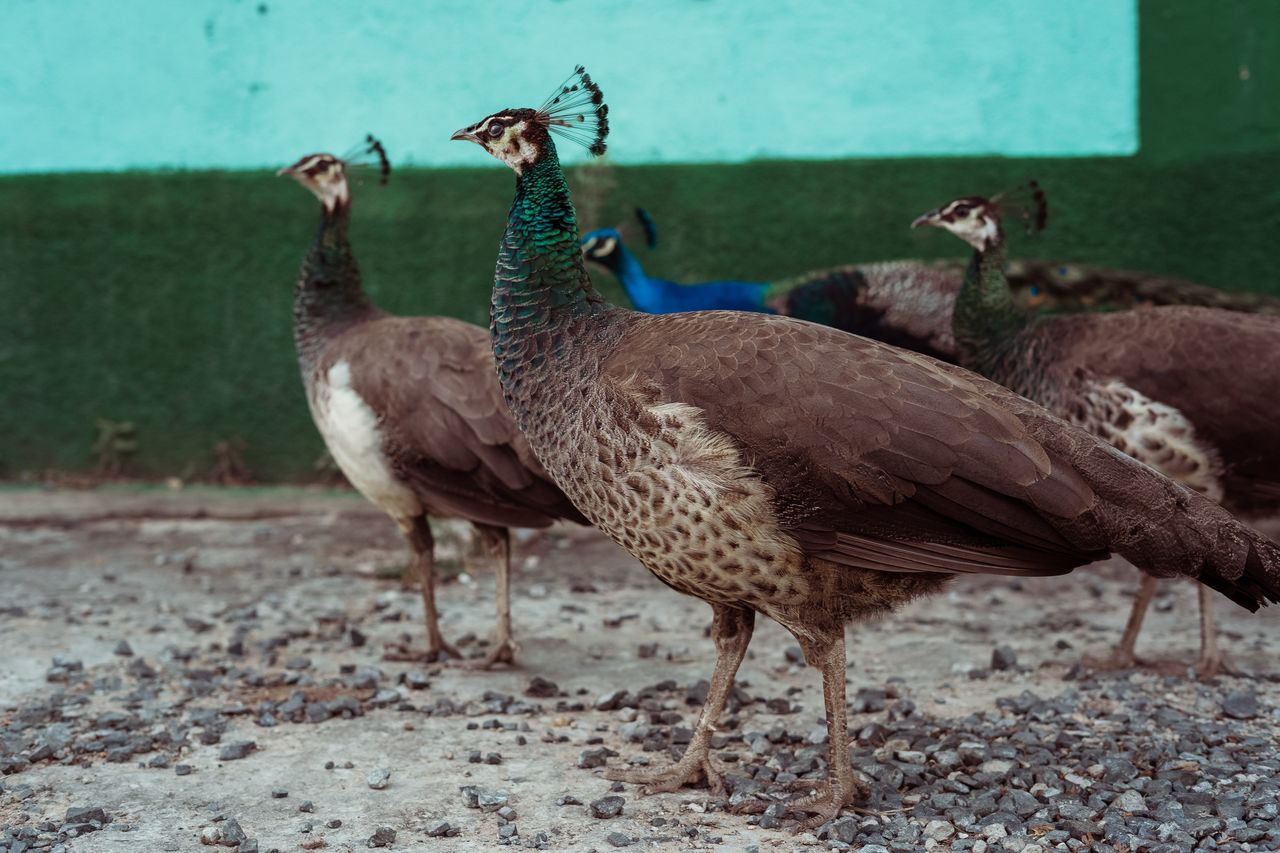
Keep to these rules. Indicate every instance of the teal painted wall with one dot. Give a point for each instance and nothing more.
(106, 85)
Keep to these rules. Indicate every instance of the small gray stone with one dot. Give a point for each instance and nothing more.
(439, 829)
(378, 778)
(236, 751)
(1241, 705)
(1003, 657)
(232, 834)
(279, 793)
(1131, 802)
(492, 801)
(383, 836)
(619, 839)
(607, 807)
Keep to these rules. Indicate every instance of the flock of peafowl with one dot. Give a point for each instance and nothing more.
(826, 449)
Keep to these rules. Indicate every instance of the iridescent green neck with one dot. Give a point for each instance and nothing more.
(328, 296)
(986, 318)
(541, 283)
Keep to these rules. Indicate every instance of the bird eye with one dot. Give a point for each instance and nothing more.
(962, 209)
(495, 129)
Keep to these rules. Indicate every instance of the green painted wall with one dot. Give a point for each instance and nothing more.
(164, 299)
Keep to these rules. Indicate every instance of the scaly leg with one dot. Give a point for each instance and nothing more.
(498, 539)
(842, 788)
(418, 532)
(1210, 662)
(731, 629)
(1123, 657)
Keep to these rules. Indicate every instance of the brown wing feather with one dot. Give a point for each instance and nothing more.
(447, 432)
(853, 435)
(1217, 367)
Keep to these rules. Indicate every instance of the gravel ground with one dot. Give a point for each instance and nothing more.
(172, 681)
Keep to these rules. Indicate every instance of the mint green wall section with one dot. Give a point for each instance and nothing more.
(103, 84)
(164, 299)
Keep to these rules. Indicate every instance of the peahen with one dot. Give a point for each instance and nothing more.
(906, 303)
(770, 465)
(1192, 392)
(410, 407)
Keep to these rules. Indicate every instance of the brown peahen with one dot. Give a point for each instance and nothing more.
(1192, 392)
(770, 465)
(410, 408)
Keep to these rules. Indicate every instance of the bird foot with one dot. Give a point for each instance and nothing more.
(827, 801)
(1117, 660)
(503, 651)
(694, 766)
(1209, 666)
(436, 652)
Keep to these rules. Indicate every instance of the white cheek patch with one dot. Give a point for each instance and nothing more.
(607, 247)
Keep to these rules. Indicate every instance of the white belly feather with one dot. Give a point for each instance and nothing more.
(352, 433)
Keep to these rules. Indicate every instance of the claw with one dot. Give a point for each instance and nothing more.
(502, 652)
(688, 771)
(437, 652)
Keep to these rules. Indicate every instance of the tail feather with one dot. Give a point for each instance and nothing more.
(1166, 529)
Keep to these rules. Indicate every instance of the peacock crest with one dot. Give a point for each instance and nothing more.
(577, 112)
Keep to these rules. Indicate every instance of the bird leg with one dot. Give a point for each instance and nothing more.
(1211, 660)
(498, 540)
(841, 788)
(418, 532)
(731, 629)
(1123, 656)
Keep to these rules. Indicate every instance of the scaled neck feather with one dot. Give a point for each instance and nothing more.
(986, 318)
(328, 296)
(541, 284)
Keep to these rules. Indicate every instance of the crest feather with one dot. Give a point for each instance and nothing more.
(369, 153)
(577, 112)
(1028, 203)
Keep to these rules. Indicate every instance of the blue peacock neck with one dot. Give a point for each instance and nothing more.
(329, 296)
(986, 319)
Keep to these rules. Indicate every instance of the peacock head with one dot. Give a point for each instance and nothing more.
(974, 220)
(326, 175)
(604, 246)
(522, 137)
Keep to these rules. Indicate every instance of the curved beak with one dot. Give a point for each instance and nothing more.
(466, 135)
(285, 170)
(930, 218)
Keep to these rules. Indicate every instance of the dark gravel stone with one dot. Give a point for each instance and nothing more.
(1002, 658)
(619, 839)
(87, 814)
(232, 834)
(383, 836)
(595, 757)
(279, 793)
(439, 829)
(237, 750)
(123, 649)
(607, 807)
(306, 807)
(1240, 705)
(541, 688)
(183, 769)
